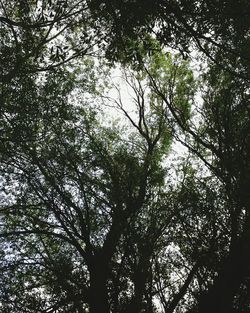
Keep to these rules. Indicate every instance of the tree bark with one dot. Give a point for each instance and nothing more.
(220, 298)
(178, 296)
(98, 296)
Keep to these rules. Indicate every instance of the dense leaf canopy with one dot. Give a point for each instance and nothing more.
(124, 156)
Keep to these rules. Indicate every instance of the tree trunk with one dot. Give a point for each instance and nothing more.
(142, 275)
(98, 299)
(220, 297)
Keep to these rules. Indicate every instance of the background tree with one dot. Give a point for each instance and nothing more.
(220, 140)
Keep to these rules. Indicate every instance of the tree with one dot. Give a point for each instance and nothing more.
(90, 206)
(183, 25)
(37, 36)
(227, 121)
(80, 188)
(221, 142)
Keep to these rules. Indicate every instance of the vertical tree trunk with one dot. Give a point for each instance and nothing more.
(220, 297)
(142, 275)
(98, 300)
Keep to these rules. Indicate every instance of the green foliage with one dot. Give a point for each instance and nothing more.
(79, 183)
(96, 205)
(175, 80)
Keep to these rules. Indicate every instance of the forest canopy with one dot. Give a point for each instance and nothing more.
(124, 156)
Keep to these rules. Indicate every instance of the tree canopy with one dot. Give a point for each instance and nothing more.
(124, 156)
